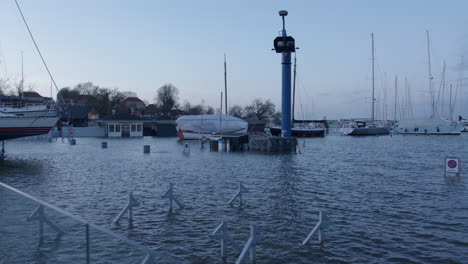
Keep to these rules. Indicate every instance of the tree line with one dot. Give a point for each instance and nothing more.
(166, 103)
(102, 100)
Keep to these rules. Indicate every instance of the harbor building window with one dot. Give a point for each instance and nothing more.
(117, 128)
(111, 128)
(139, 128)
(133, 127)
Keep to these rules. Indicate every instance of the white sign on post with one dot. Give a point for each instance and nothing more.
(451, 165)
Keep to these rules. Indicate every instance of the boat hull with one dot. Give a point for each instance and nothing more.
(199, 126)
(365, 131)
(429, 126)
(16, 127)
(300, 133)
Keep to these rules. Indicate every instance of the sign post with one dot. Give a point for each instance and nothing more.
(452, 166)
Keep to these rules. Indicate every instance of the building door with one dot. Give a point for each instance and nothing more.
(125, 130)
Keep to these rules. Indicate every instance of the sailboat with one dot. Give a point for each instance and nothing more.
(432, 125)
(301, 128)
(361, 127)
(25, 120)
(208, 126)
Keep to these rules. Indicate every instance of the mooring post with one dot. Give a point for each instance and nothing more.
(239, 193)
(146, 149)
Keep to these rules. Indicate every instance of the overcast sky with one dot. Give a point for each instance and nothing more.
(141, 45)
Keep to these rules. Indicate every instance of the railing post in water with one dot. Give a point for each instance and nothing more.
(2, 152)
(239, 193)
(132, 202)
(87, 245)
(322, 223)
(250, 246)
(221, 233)
(170, 195)
(149, 259)
(39, 215)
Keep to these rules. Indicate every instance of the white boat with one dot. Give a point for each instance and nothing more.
(12, 126)
(431, 125)
(28, 111)
(464, 124)
(206, 126)
(361, 128)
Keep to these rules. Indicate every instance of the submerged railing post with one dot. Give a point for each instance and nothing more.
(132, 202)
(239, 193)
(39, 215)
(221, 233)
(87, 245)
(250, 246)
(170, 195)
(317, 229)
(2, 152)
(149, 259)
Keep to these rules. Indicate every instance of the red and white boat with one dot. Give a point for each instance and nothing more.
(16, 126)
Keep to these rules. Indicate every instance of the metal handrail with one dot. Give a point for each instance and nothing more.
(86, 223)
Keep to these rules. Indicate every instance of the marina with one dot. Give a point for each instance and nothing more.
(102, 175)
(365, 203)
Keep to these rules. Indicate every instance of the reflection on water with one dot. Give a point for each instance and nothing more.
(387, 197)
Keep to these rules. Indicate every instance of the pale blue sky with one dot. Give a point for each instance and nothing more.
(141, 45)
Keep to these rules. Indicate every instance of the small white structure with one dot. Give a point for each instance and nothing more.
(122, 125)
(124, 129)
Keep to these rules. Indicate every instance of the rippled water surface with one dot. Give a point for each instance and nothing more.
(387, 198)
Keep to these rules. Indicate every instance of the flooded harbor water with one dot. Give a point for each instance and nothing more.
(387, 198)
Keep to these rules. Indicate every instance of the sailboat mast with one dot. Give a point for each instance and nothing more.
(373, 79)
(22, 76)
(396, 94)
(443, 92)
(385, 110)
(461, 87)
(294, 89)
(450, 108)
(225, 84)
(220, 113)
(431, 91)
